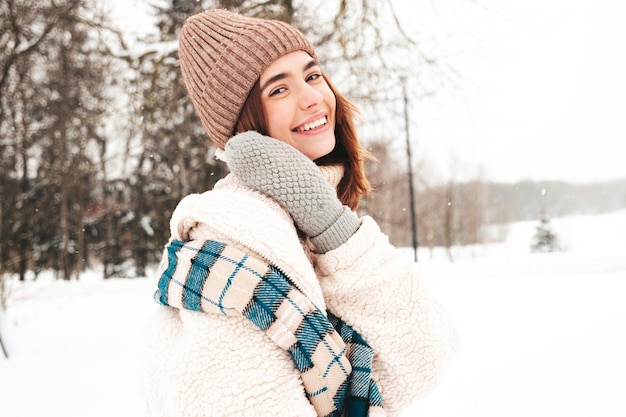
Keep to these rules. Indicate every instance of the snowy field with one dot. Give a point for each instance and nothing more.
(543, 334)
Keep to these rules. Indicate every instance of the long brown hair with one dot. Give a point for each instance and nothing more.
(348, 151)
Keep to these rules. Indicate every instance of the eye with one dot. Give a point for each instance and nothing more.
(277, 91)
(313, 76)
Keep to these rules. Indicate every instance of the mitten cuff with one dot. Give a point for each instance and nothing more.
(338, 233)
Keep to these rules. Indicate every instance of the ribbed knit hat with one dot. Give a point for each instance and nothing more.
(222, 55)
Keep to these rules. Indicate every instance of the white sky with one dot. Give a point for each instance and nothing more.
(546, 101)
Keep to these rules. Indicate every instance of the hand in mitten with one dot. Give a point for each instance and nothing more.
(295, 182)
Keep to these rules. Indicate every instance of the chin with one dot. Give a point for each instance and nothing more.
(315, 148)
(321, 153)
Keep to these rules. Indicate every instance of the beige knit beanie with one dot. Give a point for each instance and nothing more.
(222, 55)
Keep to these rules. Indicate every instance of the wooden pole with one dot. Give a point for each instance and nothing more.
(4, 350)
(3, 347)
(410, 168)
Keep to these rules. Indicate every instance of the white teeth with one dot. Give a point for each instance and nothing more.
(313, 124)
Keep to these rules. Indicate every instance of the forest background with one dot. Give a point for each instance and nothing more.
(98, 141)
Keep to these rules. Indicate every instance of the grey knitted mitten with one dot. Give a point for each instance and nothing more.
(295, 182)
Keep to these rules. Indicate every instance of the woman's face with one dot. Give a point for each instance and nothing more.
(298, 105)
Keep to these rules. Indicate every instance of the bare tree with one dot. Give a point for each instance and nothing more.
(50, 120)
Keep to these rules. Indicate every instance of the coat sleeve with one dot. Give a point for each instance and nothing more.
(379, 291)
(197, 364)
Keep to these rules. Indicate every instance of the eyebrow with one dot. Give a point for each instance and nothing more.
(282, 75)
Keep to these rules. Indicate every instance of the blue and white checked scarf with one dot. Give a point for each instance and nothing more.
(334, 361)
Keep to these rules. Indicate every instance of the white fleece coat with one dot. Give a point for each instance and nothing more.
(197, 364)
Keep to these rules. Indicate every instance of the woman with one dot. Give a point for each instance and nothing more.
(278, 300)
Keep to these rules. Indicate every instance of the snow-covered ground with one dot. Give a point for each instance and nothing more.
(543, 334)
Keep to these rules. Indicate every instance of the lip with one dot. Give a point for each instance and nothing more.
(312, 119)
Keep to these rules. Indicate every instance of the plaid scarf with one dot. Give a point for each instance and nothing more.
(334, 360)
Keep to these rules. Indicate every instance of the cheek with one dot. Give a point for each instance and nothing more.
(277, 126)
(272, 124)
(268, 111)
(331, 101)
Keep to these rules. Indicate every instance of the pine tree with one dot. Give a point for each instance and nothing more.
(544, 239)
(175, 155)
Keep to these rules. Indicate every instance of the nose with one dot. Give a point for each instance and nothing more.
(309, 96)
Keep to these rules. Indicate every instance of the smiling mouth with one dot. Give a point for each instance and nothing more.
(312, 125)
